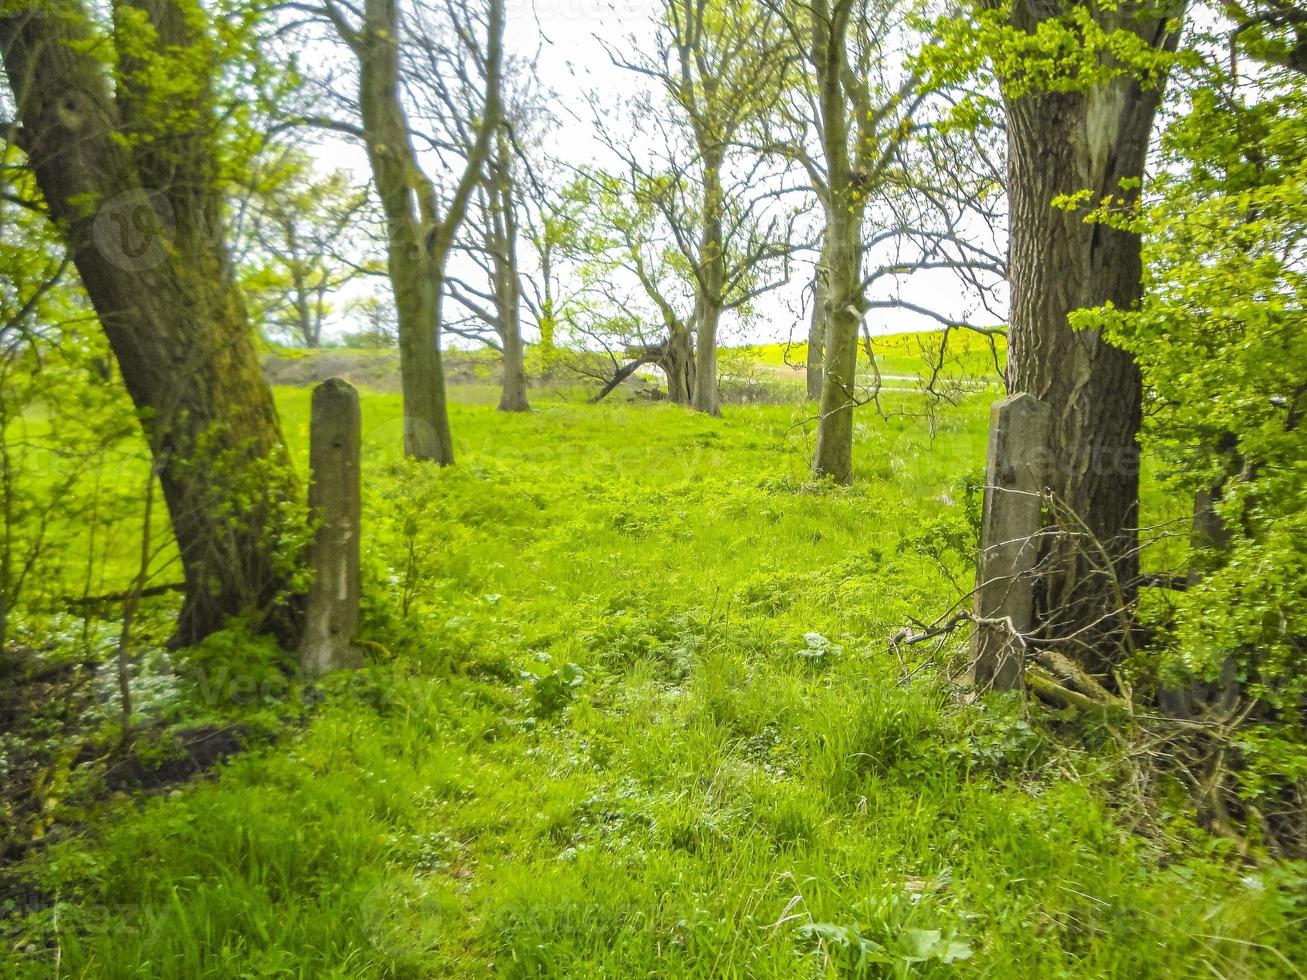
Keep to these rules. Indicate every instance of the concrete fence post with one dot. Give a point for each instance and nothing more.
(1016, 471)
(335, 436)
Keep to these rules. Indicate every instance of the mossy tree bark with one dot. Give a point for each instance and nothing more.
(1064, 143)
(131, 181)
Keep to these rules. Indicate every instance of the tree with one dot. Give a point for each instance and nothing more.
(861, 122)
(718, 65)
(397, 55)
(299, 229)
(552, 226)
(502, 215)
(380, 331)
(493, 249)
(1271, 31)
(1079, 122)
(624, 250)
(131, 176)
(1218, 337)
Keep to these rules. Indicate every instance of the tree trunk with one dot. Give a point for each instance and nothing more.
(513, 396)
(141, 217)
(839, 394)
(710, 280)
(678, 364)
(415, 277)
(625, 371)
(817, 327)
(1061, 144)
(843, 246)
(508, 286)
(706, 398)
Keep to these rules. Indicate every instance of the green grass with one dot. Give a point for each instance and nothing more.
(641, 719)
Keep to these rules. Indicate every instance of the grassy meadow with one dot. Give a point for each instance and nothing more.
(630, 709)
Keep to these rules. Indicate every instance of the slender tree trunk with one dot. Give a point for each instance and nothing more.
(547, 318)
(839, 392)
(141, 217)
(415, 278)
(508, 285)
(817, 327)
(710, 281)
(1061, 144)
(303, 310)
(843, 246)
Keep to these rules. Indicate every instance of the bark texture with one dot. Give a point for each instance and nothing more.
(408, 201)
(507, 277)
(843, 246)
(710, 279)
(1061, 144)
(817, 329)
(678, 363)
(136, 198)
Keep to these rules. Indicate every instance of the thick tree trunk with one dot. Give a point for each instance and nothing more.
(706, 397)
(415, 278)
(1061, 144)
(513, 398)
(142, 222)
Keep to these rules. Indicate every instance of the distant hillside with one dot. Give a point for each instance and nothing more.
(376, 370)
(898, 356)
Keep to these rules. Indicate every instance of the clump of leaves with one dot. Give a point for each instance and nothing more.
(818, 652)
(860, 950)
(555, 690)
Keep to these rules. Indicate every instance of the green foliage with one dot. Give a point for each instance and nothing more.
(64, 422)
(1220, 341)
(555, 690)
(1073, 47)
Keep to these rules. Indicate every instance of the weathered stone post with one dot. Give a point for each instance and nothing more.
(1015, 473)
(335, 434)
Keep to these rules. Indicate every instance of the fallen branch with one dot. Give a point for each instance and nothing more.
(1047, 689)
(1172, 583)
(101, 600)
(1058, 679)
(905, 637)
(624, 372)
